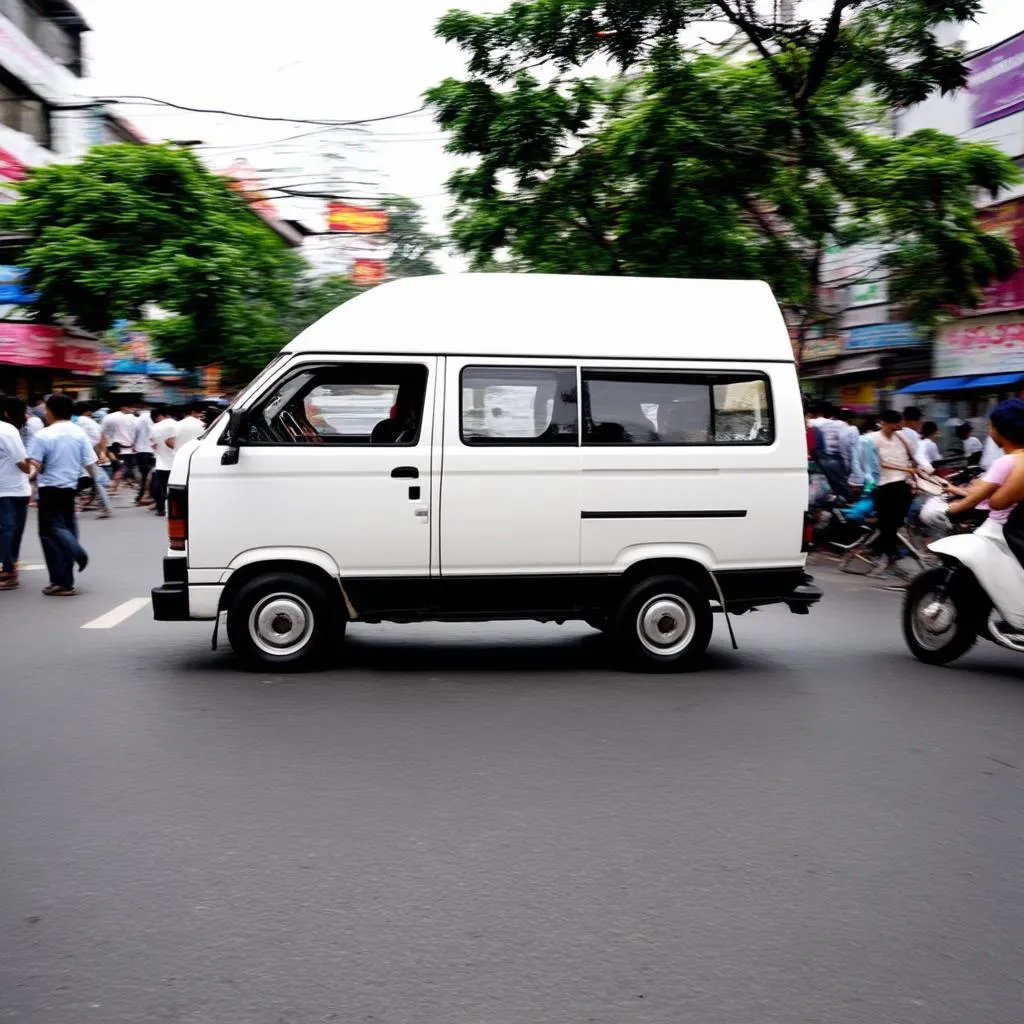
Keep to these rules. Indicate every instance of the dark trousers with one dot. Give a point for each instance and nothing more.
(159, 489)
(836, 473)
(58, 534)
(892, 503)
(13, 512)
(144, 462)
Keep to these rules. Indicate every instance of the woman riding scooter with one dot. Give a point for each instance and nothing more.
(980, 589)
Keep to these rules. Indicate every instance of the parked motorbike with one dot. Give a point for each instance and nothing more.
(977, 592)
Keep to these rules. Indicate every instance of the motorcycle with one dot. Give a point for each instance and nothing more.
(978, 591)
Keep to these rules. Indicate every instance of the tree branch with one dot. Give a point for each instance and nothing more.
(823, 53)
(749, 29)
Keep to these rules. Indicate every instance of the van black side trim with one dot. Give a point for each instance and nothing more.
(704, 513)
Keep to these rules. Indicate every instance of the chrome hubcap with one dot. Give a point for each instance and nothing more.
(933, 621)
(281, 624)
(666, 625)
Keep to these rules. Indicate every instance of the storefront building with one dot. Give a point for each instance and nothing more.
(38, 359)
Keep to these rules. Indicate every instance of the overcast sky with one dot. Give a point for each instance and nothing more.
(334, 59)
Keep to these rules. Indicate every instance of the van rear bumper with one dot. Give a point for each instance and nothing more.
(170, 602)
(177, 601)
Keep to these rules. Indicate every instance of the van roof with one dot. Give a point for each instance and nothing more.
(547, 315)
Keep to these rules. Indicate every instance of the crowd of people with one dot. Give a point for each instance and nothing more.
(881, 460)
(66, 457)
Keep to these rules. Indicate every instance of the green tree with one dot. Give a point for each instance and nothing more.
(747, 162)
(412, 245)
(130, 226)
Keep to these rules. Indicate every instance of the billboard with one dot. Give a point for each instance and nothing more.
(996, 82)
(368, 271)
(40, 345)
(12, 291)
(356, 220)
(875, 336)
(1007, 220)
(965, 348)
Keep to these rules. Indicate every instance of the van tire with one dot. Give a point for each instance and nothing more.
(663, 625)
(283, 622)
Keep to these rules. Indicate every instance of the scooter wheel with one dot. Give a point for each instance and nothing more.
(940, 621)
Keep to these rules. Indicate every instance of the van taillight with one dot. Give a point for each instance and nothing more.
(177, 517)
(808, 541)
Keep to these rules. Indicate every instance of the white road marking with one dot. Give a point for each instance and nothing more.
(31, 567)
(117, 615)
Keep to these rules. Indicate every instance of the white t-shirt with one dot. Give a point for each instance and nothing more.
(144, 434)
(929, 450)
(91, 428)
(972, 446)
(990, 454)
(162, 432)
(120, 428)
(894, 451)
(188, 430)
(34, 425)
(13, 482)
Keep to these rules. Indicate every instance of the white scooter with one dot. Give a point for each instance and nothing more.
(978, 591)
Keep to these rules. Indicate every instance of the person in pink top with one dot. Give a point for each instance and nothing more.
(1006, 428)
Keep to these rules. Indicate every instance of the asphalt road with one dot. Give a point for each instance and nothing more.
(487, 825)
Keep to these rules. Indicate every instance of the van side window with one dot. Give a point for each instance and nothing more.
(662, 407)
(519, 405)
(344, 404)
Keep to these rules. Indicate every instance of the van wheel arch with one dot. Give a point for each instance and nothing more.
(240, 577)
(697, 574)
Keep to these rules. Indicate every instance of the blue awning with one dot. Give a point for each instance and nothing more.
(974, 382)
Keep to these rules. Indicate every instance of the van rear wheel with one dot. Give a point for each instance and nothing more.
(663, 625)
(282, 622)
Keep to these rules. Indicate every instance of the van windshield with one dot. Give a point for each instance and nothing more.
(257, 381)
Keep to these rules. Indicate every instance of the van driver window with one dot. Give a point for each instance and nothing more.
(654, 408)
(517, 405)
(344, 404)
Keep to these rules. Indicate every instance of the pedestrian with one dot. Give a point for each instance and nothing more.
(84, 418)
(971, 447)
(894, 492)
(144, 457)
(37, 409)
(929, 448)
(120, 428)
(191, 425)
(829, 456)
(15, 490)
(164, 430)
(59, 451)
(911, 433)
(1006, 429)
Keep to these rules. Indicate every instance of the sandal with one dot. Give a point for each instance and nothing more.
(11, 583)
(60, 592)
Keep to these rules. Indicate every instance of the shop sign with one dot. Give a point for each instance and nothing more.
(368, 271)
(40, 345)
(1006, 220)
(11, 168)
(859, 397)
(356, 220)
(869, 293)
(966, 348)
(996, 82)
(875, 336)
(826, 346)
(11, 289)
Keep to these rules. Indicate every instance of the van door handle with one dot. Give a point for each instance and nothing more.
(405, 473)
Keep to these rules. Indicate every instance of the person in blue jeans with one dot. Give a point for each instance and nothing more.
(61, 452)
(15, 489)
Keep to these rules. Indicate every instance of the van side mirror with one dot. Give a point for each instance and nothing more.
(237, 428)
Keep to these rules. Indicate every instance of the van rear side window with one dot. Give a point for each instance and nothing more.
(519, 405)
(665, 408)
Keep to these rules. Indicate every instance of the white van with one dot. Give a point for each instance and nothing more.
(629, 452)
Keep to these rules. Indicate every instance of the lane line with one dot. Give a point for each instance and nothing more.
(118, 615)
(31, 567)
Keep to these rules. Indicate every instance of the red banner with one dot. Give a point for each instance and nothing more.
(1006, 220)
(40, 345)
(356, 220)
(368, 271)
(11, 168)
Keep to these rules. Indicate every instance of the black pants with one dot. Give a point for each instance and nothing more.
(159, 489)
(144, 462)
(836, 473)
(892, 503)
(58, 534)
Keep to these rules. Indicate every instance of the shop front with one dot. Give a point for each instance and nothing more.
(39, 358)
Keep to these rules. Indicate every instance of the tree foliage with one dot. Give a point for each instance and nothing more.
(135, 225)
(750, 161)
(412, 245)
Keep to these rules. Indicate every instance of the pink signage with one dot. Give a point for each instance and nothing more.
(11, 168)
(40, 345)
(987, 348)
(1006, 220)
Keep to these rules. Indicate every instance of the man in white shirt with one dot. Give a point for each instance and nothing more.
(911, 433)
(165, 429)
(143, 450)
(84, 418)
(15, 490)
(120, 428)
(893, 494)
(191, 425)
(929, 450)
(830, 459)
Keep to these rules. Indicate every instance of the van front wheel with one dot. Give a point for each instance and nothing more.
(281, 622)
(663, 625)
